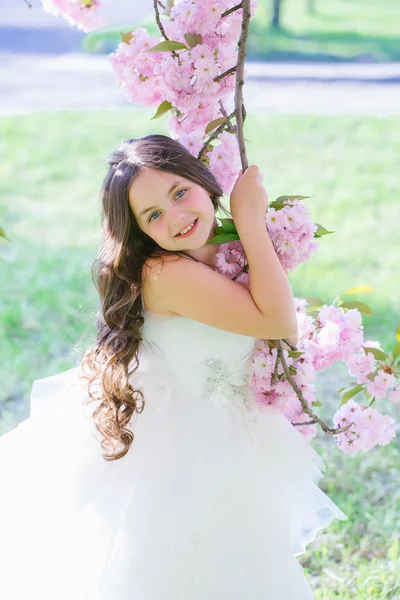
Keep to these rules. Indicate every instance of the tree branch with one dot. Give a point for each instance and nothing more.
(216, 133)
(231, 10)
(240, 113)
(240, 81)
(228, 72)
(161, 26)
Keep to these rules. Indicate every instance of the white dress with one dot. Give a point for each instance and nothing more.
(213, 501)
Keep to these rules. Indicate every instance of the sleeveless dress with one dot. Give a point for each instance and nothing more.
(214, 500)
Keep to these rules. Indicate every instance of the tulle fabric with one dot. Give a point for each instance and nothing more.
(214, 500)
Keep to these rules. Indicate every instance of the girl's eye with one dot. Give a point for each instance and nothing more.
(157, 211)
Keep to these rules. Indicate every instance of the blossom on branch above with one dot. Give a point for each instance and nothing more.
(81, 13)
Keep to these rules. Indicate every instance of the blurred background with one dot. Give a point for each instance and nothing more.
(323, 100)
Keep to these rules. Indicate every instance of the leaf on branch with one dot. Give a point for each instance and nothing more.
(280, 202)
(396, 351)
(361, 307)
(167, 46)
(314, 303)
(162, 109)
(398, 334)
(378, 354)
(228, 226)
(214, 124)
(3, 235)
(367, 395)
(359, 289)
(127, 37)
(224, 238)
(281, 198)
(351, 392)
(193, 39)
(317, 403)
(321, 231)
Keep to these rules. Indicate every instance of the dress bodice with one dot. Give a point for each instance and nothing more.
(195, 355)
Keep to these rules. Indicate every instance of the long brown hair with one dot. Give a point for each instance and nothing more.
(117, 273)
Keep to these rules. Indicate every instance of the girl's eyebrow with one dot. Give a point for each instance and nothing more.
(146, 210)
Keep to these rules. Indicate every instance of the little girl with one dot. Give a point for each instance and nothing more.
(176, 485)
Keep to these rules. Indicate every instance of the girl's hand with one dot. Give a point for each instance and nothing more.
(249, 199)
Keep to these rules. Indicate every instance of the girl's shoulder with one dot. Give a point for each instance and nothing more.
(150, 271)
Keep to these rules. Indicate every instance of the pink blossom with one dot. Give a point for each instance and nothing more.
(382, 381)
(394, 396)
(84, 15)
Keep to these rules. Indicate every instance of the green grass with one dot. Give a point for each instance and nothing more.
(337, 30)
(344, 30)
(51, 169)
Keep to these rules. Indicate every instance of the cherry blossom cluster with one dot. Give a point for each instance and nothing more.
(187, 79)
(292, 232)
(335, 334)
(81, 13)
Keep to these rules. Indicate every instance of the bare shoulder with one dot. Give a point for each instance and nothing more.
(151, 270)
(191, 289)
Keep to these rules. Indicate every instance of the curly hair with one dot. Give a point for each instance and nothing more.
(117, 275)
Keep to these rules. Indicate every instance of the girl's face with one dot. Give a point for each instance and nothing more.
(164, 204)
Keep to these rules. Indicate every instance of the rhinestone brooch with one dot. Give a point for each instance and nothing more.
(222, 381)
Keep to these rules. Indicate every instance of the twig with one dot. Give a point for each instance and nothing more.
(27, 3)
(228, 72)
(216, 133)
(231, 128)
(231, 10)
(161, 27)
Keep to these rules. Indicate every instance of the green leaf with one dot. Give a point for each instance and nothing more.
(162, 109)
(295, 353)
(167, 46)
(228, 226)
(193, 39)
(3, 235)
(314, 302)
(359, 289)
(215, 123)
(398, 333)
(396, 351)
(367, 395)
(321, 231)
(351, 392)
(360, 306)
(317, 403)
(224, 239)
(394, 550)
(219, 229)
(340, 391)
(378, 354)
(281, 198)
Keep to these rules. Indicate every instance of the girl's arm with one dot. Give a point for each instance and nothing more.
(294, 339)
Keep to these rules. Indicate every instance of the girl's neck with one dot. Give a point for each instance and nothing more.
(205, 254)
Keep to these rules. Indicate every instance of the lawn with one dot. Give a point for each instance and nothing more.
(51, 169)
(337, 30)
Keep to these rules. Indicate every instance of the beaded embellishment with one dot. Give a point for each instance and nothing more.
(222, 381)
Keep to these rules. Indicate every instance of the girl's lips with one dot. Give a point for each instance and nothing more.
(183, 235)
